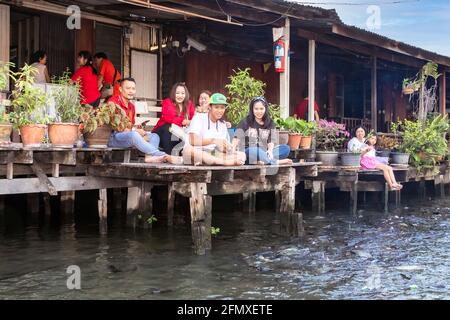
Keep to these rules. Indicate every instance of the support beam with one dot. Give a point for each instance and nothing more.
(285, 76)
(103, 211)
(311, 78)
(443, 94)
(374, 100)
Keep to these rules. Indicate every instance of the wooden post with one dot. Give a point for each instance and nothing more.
(285, 76)
(354, 197)
(47, 206)
(68, 202)
(103, 211)
(311, 79)
(2, 212)
(386, 197)
(318, 196)
(398, 198)
(133, 201)
(290, 223)
(200, 218)
(422, 190)
(443, 94)
(374, 100)
(252, 202)
(146, 205)
(170, 204)
(5, 34)
(33, 205)
(9, 171)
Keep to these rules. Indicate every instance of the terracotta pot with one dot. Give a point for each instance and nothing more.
(63, 134)
(33, 134)
(306, 142)
(408, 90)
(5, 132)
(283, 137)
(99, 138)
(294, 140)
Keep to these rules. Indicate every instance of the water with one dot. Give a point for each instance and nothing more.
(400, 255)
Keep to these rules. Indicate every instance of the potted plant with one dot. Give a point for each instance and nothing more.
(399, 154)
(283, 133)
(330, 137)
(307, 129)
(5, 124)
(293, 127)
(351, 158)
(29, 107)
(410, 86)
(97, 123)
(385, 144)
(63, 131)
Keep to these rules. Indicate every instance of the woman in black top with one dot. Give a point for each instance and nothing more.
(256, 135)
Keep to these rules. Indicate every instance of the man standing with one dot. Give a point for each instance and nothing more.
(301, 111)
(138, 138)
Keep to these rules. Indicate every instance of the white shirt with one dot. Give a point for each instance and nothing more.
(205, 128)
(355, 144)
(39, 76)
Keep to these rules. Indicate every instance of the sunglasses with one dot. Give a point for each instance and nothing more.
(259, 98)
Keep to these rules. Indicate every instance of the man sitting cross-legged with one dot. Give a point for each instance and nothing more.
(138, 138)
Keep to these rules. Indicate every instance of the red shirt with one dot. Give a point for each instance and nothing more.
(302, 109)
(169, 114)
(88, 84)
(107, 70)
(129, 109)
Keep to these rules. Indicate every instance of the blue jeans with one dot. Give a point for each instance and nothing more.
(255, 154)
(129, 139)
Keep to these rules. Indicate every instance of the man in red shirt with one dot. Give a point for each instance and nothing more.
(145, 142)
(108, 75)
(301, 111)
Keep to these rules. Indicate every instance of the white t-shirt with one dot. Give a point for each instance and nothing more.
(202, 126)
(355, 144)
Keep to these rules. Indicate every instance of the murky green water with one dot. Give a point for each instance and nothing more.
(400, 255)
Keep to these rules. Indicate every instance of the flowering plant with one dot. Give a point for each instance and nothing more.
(108, 114)
(330, 136)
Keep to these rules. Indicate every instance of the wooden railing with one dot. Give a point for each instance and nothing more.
(352, 123)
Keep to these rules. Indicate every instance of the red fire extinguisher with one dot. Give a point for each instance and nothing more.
(280, 55)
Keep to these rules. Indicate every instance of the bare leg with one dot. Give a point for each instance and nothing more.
(394, 181)
(386, 174)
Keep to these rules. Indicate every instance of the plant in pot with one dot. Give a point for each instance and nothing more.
(63, 131)
(29, 107)
(98, 123)
(330, 138)
(307, 130)
(399, 154)
(5, 123)
(424, 142)
(283, 133)
(385, 144)
(351, 158)
(294, 132)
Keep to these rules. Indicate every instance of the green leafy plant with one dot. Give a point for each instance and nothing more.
(215, 231)
(424, 141)
(29, 101)
(6, 73)
(67, 99)
(108, 114)
(151, 219)
(307, 128)
(241, 90)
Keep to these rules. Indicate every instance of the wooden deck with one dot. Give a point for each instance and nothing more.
(59, 171)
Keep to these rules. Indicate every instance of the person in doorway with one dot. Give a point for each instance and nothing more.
(207, 141)
(39, 62)
(86, 76)
(301, 111)
(177, 110)
(255, 135)
(145, 142)
(107, 76)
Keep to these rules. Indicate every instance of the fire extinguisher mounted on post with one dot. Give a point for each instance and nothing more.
(280, 52)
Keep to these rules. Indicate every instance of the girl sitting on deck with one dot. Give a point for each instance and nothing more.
(255, 135)
(369, 161)
(207, 141)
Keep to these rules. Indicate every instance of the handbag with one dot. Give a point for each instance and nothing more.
(108, 89)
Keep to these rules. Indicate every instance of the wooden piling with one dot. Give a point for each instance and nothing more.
(133, 202)
(200, 204)
(170, 204)
(103, 211)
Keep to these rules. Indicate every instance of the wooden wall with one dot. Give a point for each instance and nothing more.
(211, 72)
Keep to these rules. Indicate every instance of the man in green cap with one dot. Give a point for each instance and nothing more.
(208, 141)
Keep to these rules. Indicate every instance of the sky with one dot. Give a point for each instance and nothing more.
(421, 23)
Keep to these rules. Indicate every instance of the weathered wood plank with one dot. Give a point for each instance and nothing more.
(16, 156)
(67, 157)
(44, 179)
(103, 211)
(33, 185)
(21, 169)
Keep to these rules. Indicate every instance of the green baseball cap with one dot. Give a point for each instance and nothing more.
(218, 98)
